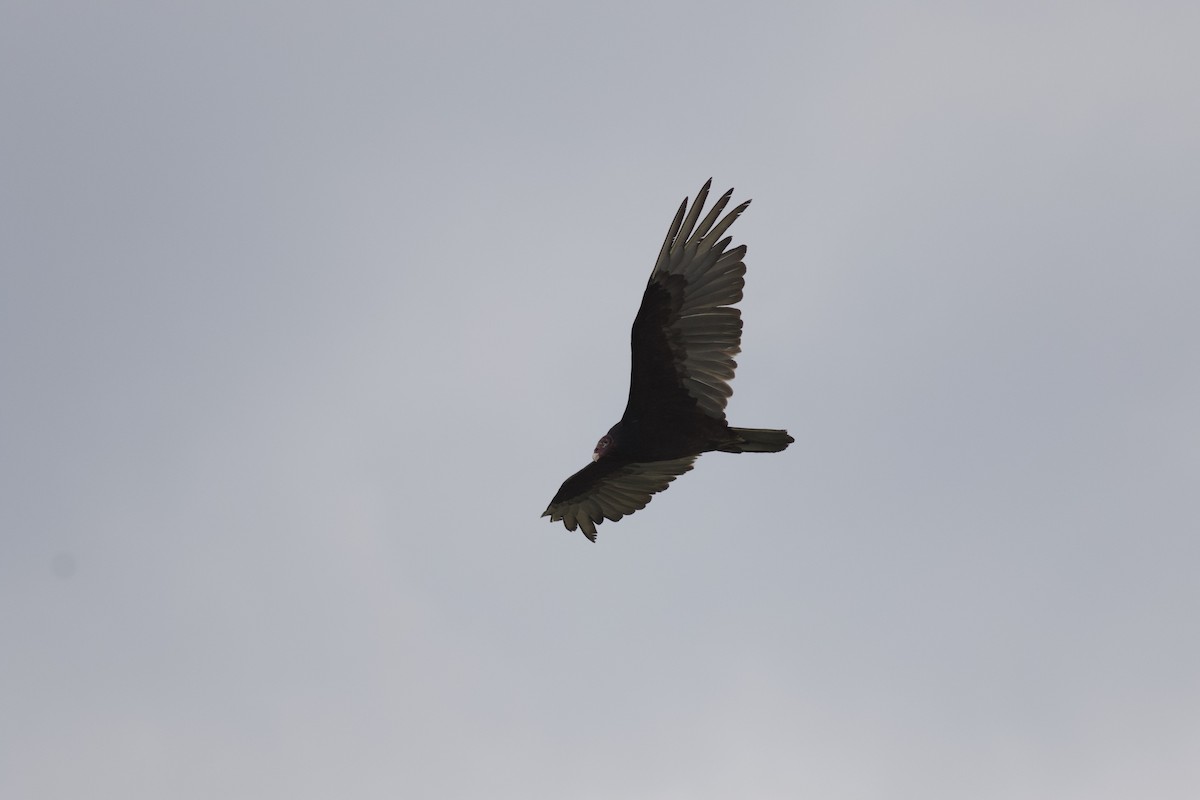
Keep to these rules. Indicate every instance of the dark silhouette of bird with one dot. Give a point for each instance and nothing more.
(685, 336)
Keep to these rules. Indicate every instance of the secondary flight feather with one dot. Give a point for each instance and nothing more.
(685, 336)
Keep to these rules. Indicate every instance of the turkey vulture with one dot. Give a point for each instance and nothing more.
(684, 338)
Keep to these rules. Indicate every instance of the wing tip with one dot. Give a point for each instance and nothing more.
(583, 524)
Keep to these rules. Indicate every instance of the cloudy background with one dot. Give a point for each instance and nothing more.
(308, 308)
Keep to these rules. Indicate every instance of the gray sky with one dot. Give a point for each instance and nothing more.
(307, 309)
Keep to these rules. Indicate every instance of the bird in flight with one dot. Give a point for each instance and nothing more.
(685, 336)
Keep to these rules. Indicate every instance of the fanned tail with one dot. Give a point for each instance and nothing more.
(757, 440)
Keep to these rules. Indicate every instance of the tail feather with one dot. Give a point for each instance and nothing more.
(757, 440)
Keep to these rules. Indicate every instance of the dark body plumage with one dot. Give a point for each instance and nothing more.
(684, 338)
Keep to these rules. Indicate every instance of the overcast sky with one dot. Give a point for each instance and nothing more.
(307, 309)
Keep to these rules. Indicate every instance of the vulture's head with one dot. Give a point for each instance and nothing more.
(602, 446)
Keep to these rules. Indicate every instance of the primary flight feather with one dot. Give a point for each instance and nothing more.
(685, 336)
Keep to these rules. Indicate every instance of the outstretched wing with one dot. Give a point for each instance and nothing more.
(685, 334)
(606, 489)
